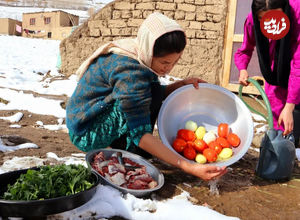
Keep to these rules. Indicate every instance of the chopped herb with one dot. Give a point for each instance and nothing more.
(50, 182)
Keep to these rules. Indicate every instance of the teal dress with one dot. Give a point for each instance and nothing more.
(117, 98)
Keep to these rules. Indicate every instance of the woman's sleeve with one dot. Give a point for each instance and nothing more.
(294, 79)
(243, 55)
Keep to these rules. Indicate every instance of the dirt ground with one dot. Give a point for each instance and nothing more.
(241, 193)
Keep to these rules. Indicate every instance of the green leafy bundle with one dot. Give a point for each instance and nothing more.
(50, 182)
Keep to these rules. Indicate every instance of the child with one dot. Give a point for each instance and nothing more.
(118, 96)
(282, 84)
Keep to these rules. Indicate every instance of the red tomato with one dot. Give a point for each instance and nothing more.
(179, 145)
(190, 144)
(223, 142)
(216, 146)
(189, 153)
(186, 134)
(200, 145)
(233, 139)
(223, 130)
(210, 154)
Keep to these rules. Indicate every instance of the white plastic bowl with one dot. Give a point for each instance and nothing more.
(208, 106)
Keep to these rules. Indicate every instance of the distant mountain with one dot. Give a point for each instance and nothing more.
(61, 4)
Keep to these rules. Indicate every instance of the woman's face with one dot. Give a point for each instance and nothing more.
(260, 14)
(163, 65)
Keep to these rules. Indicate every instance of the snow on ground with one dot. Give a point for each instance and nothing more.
(24, 63)
(109, 202)
(31, 69)
(29, 65)
(14, 118)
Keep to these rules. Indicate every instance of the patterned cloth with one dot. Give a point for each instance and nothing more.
(108, 126)
(112, 98)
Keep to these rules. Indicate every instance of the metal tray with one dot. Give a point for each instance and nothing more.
(152, 170)
(40, 208)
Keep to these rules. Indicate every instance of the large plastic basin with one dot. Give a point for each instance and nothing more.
(207, 106)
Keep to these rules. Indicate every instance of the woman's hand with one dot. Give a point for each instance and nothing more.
(172, 87)
(155, 147)
(286, 116)
(205, 172)
(243, 77)
(193, 81)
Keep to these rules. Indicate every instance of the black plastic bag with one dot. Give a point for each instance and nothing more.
(277, 156)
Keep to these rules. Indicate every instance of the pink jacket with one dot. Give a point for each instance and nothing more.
(278, 96)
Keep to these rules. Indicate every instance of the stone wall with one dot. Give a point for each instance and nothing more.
(203, 20)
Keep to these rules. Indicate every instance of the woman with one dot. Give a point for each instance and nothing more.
(118, 96)
(279, 60)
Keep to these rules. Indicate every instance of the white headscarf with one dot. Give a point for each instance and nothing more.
(139, 48)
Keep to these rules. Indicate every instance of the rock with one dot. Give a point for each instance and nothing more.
(257, 140)
(13, 140)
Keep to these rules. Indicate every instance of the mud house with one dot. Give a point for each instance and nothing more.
(10, 26)
(55, 25)
(214, 30)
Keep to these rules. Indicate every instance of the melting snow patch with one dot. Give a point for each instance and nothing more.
(15, 126)
(262, 129)
(57, 127)
(39, 123)
(5, 148)
(109, 202)
(14, 118)
(257, 117)
(17, 163)
(255, 149)
(67, 160)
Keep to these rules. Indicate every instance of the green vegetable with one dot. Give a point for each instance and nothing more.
(50, 182)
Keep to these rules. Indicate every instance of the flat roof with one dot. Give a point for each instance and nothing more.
(41, 12)
(11, 19)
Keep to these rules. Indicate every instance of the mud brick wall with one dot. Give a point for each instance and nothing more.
(203, 21)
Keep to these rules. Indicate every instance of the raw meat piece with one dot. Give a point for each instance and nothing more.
(131, 175)
(118, 179)
(115, 168)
